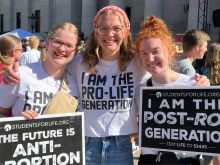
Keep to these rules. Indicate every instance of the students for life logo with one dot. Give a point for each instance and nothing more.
(158, 94)
(7, 127)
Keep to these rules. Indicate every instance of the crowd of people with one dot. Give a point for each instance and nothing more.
(109, 61)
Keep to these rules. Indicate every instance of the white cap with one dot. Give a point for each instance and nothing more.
(27, 38)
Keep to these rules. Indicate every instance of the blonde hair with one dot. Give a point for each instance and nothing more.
(7, 44)
(34, 42)
(154, 27)
(43, 54)
(213, 63)
(63, 26)
(92, 52)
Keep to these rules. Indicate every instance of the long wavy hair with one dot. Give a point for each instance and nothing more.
(156, 28)
(92, 52)
(213, 63)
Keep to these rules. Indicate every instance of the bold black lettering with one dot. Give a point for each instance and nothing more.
(37, 109)
(83, 91)
(92, 105)
(111, 93)
(117, 104)
(26, 96)
(27, 106)
(123, 91)
(82, 80)
(47, 97)
(121, 79)
(91, 91)
(92, 79)
(130, 91)
(38, 97)
(114, 79)
(99, 93)
(101, 80)
(130, 78)
(104, 104)
(98, 105)
(110, 105)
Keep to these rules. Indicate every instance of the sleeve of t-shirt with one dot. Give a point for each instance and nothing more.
(188, 71)
(8, 95)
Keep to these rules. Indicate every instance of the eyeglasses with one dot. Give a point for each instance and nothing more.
(20, 50)
(105, 30)
(57, 43)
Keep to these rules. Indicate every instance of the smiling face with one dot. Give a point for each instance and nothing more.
(154, 56)
(61, 48)
(111, 41)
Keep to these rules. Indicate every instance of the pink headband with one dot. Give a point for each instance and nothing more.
(127, 23)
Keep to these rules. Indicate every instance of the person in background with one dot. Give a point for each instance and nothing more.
(157, 52)
(81, 46)
(44, 77)
(43, 54)
(42, 50)
(194, 44)
(10, 52)
(179, 48)
(25, 44)
(32, 55)
(212, 65)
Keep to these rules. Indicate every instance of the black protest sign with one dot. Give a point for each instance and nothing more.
(186, 119)
(46, 140)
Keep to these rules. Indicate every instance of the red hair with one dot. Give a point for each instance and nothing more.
(154, 27)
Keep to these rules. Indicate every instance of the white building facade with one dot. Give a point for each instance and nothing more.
(14, 14)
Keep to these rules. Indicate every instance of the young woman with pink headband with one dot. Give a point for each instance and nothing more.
(107, 73)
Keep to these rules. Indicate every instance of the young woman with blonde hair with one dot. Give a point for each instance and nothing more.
(41, 80)
(10, 51)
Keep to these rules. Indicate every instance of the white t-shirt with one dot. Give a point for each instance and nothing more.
(107, 98)
(30, 56)
(34, 91)
(183, 80)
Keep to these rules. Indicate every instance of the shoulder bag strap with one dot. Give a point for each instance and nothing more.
(149, 82)
(65, 83)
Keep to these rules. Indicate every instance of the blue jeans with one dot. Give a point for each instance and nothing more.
(112, 150)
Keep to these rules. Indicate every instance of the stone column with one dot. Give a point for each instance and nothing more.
(154, 7)
(119, 3)
(89, 10)
(193, 14)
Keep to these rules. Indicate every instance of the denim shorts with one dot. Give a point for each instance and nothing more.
(112, 150)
